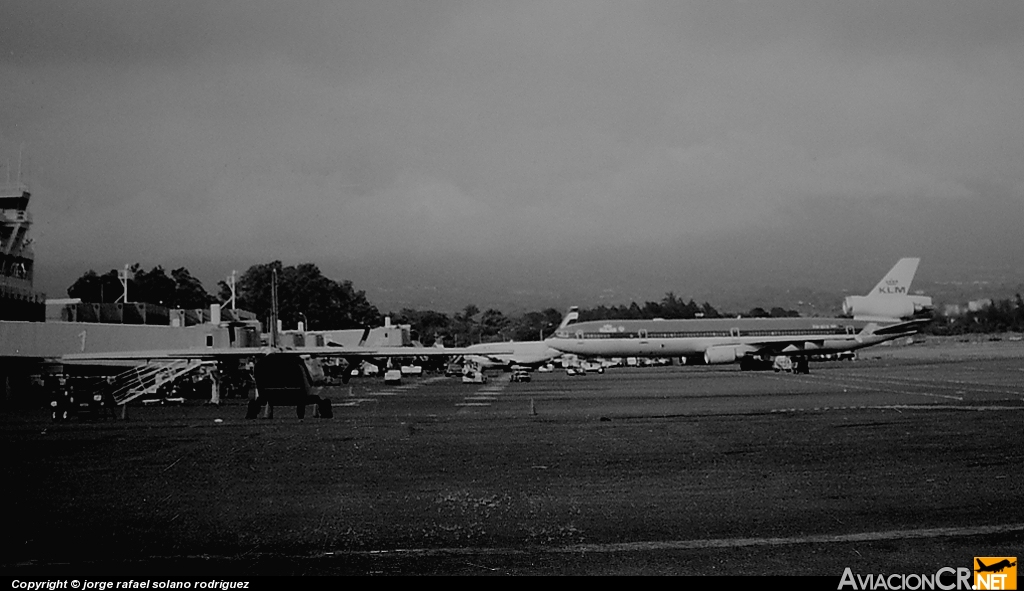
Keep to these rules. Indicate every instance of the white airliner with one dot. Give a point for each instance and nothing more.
(753, 342)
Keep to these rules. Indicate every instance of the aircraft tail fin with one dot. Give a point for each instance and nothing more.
(981, 565)
(570, 317)
(897, 281)
(890, 299)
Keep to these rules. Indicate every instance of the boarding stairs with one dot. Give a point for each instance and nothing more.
(147, 379)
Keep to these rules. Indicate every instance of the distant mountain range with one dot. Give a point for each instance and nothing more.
(736, 284)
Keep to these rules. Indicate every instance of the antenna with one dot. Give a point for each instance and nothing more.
(273, 308)
(20, 151)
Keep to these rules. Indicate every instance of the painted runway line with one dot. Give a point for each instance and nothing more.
(712, 543)
(958, 387)
(899, 407)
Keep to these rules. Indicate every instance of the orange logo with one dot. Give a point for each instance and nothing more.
(995, 572)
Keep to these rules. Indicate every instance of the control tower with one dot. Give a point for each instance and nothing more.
(18, 299)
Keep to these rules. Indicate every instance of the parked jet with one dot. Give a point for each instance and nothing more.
(753, 342)
(531, 354)
(891, 298)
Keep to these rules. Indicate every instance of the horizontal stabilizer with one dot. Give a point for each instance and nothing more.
(909, 326)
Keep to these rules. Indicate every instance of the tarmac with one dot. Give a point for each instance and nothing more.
(907, 460)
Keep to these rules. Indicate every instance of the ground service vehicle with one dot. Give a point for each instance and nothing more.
(393, 376)
(474, 377)
(519, 375)
(79, 396)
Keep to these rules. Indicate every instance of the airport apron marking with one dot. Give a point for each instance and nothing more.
(872, 386)
(389, 391)
(483, 396)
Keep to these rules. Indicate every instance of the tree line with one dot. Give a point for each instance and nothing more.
(320, 303)
(305, 294)
(180, 290)
(998, 316)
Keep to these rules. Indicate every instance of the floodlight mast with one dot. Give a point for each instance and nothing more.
(231, 286)
(123, 276)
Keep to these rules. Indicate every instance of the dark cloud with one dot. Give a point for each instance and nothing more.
(446, 131)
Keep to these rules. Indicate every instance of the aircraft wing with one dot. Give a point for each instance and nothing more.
(333, 351)
(165, 354)
(806, 344)
(239, 352)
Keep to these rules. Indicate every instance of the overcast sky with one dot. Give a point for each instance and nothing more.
(354, 134)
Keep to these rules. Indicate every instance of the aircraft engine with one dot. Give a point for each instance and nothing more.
(886, 307)
(723, 354)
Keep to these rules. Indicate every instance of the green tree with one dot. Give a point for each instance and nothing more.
(97, 289)
(428, 326)
(535, 325)
(493, 325)
(466, 331)
(189, 291)
(180, 290)
(304, 294)
(153, 286)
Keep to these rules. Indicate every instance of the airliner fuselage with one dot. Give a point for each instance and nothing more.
(719, 338)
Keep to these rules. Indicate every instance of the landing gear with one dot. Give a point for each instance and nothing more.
(252, 411)
(326, 411)
(300, 409)
(322, 408)
(754, 364)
